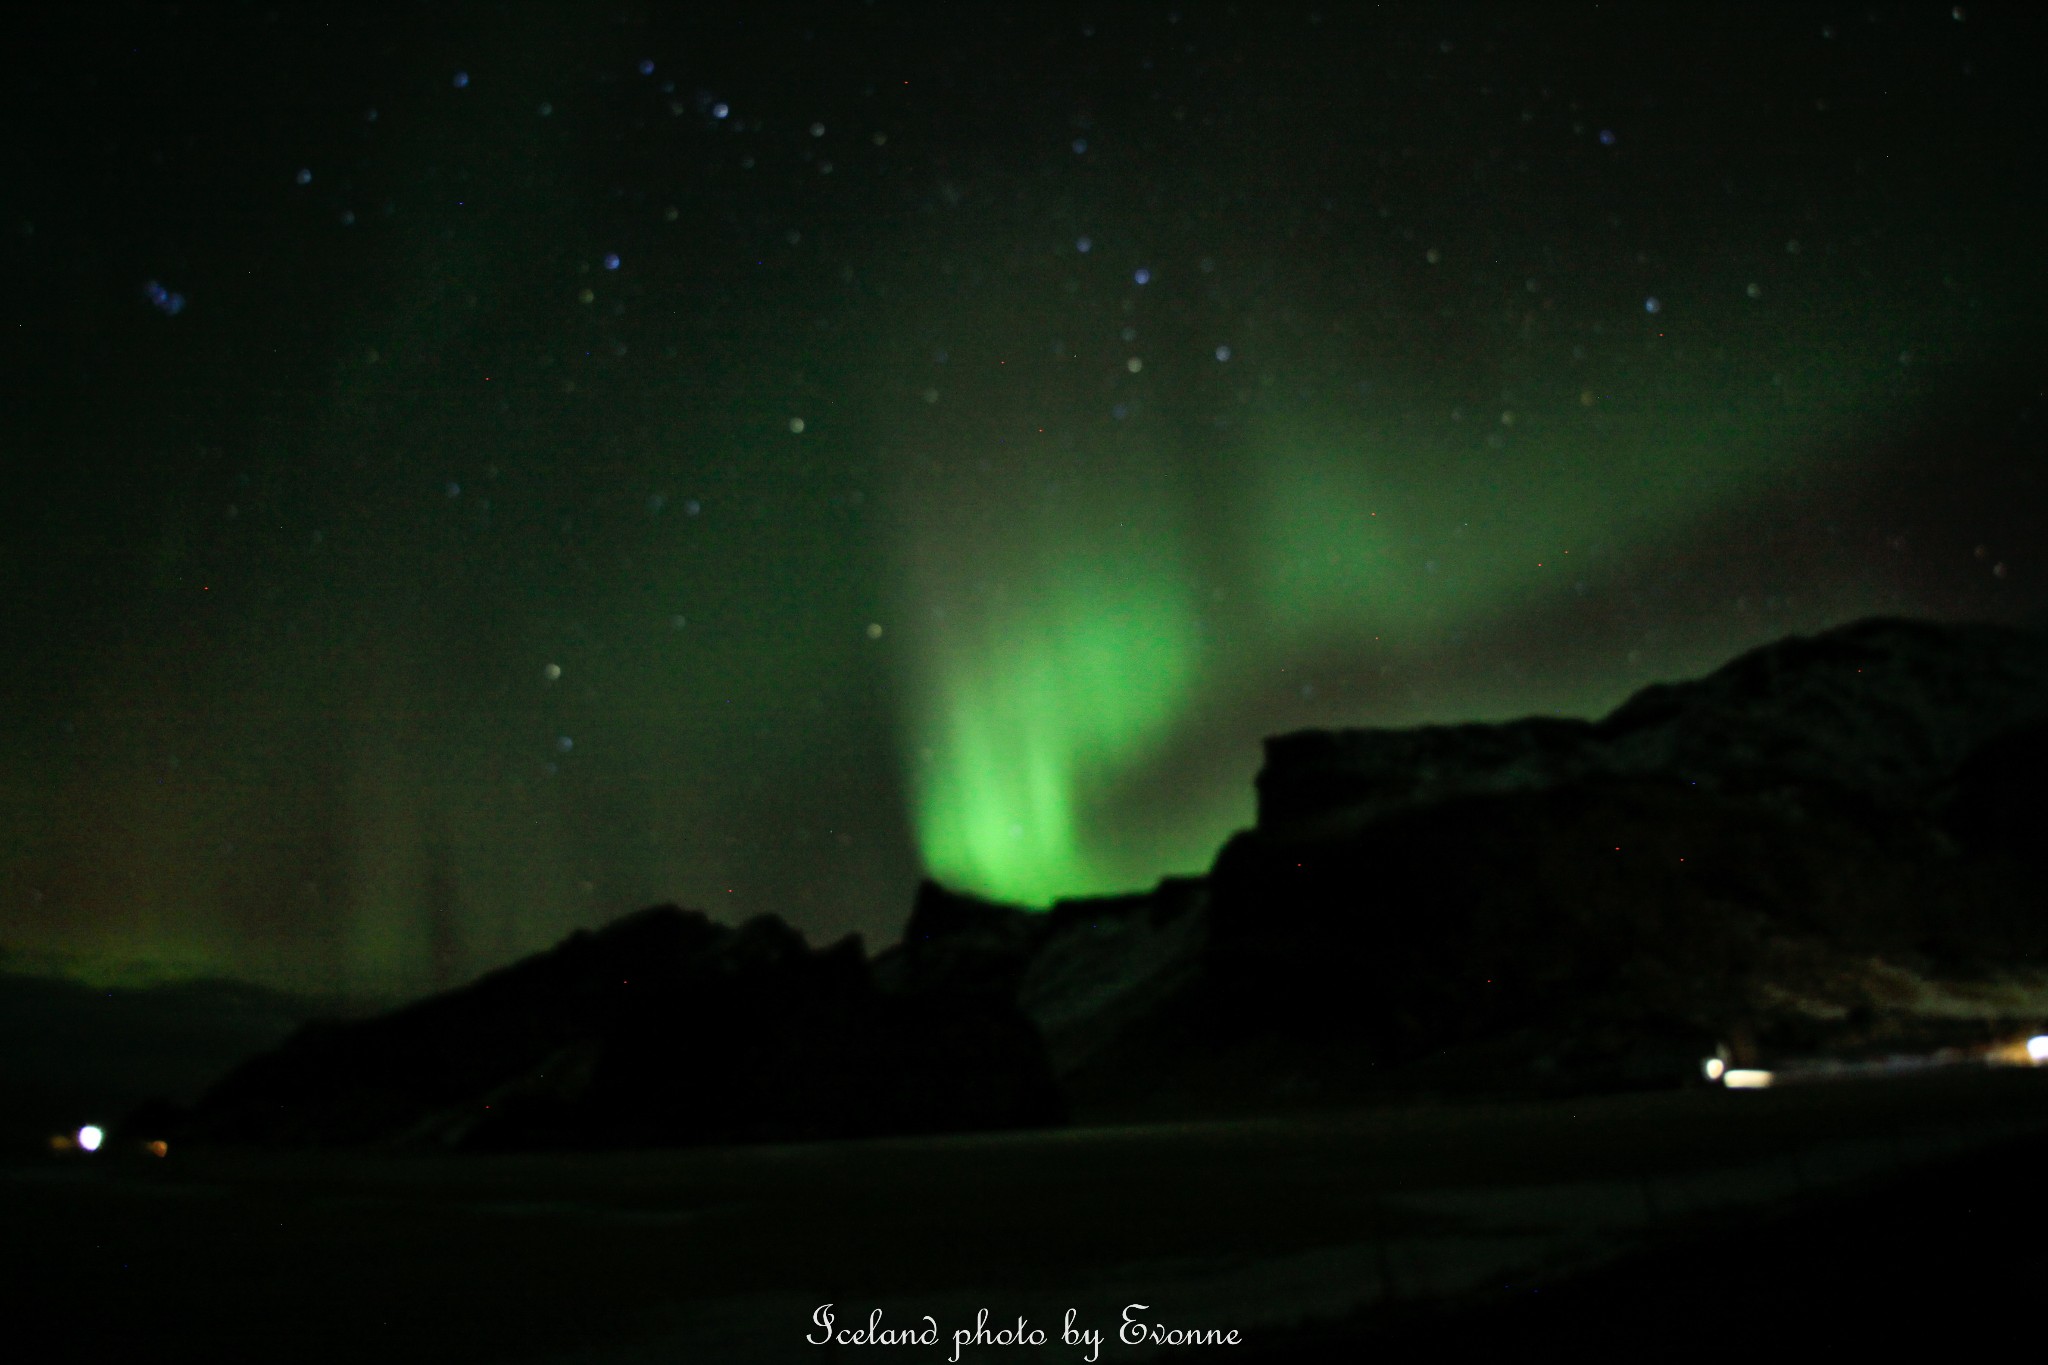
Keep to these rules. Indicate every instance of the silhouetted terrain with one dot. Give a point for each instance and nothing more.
(1415, 1066)
(1827, 848)
(1822, 850)
(662, 1028)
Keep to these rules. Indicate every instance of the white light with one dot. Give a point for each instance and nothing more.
(89, 1137)
(1739, 1079)
(2037, 1048)
(1712, 1068)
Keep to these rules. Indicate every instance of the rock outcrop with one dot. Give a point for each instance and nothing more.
(1085, 973)
(1882, 712)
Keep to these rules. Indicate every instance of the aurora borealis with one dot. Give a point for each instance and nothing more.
(756, 457)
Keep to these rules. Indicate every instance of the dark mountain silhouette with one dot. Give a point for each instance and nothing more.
(1831, 847)
(661, 1028)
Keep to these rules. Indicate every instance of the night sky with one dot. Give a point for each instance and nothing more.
(474, 471)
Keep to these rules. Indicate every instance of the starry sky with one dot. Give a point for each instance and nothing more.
(476, 470)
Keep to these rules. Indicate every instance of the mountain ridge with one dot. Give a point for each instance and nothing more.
(1823, 848)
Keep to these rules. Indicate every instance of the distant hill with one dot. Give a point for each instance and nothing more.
(71, 1053)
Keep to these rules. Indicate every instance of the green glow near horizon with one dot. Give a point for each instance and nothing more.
(1374, 533)
(1093, 668)
(1039, 714)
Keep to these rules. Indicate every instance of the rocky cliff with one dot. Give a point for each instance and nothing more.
(1830, 847)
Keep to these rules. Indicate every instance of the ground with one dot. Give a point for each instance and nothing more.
(1394, 1228)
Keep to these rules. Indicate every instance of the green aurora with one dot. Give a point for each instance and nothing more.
(454, 571)
(1121, 604)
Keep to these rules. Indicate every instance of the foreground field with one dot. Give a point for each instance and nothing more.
(1362, 1223)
